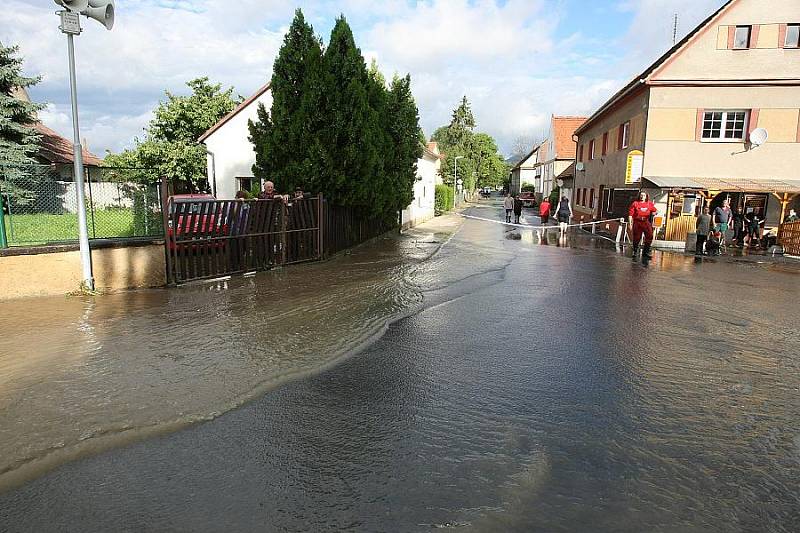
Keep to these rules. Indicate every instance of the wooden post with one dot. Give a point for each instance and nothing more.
(320, 225)
(284, 220)
(164, 190)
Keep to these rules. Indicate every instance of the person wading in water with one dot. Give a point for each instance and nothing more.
(639, 219)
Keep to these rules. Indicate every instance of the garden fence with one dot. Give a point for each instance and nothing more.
(40, 205)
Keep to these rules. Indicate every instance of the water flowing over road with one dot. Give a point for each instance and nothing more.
(527, 385)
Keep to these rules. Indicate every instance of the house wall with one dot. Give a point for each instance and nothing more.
(233, 152)
(609, 170)
(673, 129)
(708, 57)
(422, 207)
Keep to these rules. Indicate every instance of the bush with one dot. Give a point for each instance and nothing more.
(444, 199)
(528, 188)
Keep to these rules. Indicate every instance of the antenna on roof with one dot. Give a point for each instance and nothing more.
(675, 31)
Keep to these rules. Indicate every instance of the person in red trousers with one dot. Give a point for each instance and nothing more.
(639, 220)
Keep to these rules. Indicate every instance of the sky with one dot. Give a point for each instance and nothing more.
(517, 61)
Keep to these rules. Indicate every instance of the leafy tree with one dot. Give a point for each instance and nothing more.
(18, 140)
(286, 138)
(170, 147)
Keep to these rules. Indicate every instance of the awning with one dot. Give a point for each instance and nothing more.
(728, 184)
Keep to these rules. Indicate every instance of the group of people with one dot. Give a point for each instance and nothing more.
(747, 228)
(269, 193)
(513, 204)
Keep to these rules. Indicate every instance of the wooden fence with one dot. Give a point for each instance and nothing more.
(789, 237)
(208, 238)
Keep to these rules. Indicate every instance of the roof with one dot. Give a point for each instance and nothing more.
(57, 149)
(563, 128)
(568, 172)
(728, 184)
(642, 79)
(238, 109)
(527, 156)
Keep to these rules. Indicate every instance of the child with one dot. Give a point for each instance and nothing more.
(712, 245)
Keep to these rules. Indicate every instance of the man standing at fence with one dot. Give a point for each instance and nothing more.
(639, 220)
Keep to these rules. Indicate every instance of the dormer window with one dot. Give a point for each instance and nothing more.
(792, 36)
(741, 39)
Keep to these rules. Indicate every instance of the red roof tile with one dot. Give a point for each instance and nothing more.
(563, 128)
(233, 113)
(57, 149)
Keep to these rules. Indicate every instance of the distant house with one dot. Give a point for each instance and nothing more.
(525, 171)
(56, 150)
(557, 161)
(422, 206)
(231, 154)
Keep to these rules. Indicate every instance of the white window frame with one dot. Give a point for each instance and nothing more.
(749, 37)
(591, 150)
(724, 123)
(796, 43)
(626, 133)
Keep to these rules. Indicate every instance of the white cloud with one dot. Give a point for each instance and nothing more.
(512, 58)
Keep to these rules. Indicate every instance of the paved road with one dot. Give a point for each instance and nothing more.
(542, 386)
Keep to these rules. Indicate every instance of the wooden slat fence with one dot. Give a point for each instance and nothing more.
(208, 238)
(789, 237)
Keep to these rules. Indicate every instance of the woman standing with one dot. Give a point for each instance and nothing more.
(564, 214)
(544, 210)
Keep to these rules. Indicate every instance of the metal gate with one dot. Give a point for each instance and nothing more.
(208, 238)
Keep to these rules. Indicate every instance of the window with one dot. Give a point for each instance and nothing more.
(591, 150)
(580, 153)
(591, 198)
(625, 135)
(724, 126)
(245, 184)
(741, 39)
(605, 143)
(792, 36)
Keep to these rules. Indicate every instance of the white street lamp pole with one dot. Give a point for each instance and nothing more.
(455, 179)
(83, 229)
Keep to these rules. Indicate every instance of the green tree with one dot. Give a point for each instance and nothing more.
(288, 148)
(489, 163)
(352, 137)
(170, 147)
(404, 147)
(18, 140)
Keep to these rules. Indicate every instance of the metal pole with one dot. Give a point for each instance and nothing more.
(455, 183)
(3, 237)
(83, 233)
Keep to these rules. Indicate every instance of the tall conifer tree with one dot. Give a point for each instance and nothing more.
(19, 142)
(352, 137)
(403, 127)
(288, 151)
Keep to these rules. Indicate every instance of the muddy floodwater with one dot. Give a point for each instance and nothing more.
(524, 384)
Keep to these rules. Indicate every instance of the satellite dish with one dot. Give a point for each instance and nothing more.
(758, 137)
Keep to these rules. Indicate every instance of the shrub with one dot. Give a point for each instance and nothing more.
(528, 188)
(444, 199)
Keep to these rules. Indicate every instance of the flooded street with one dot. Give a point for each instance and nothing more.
(524, 384)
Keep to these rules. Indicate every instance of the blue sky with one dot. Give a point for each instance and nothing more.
(518, 61)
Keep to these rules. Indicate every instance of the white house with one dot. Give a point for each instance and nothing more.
(231, 155)
(231, 159)
(422, 207)
(525, 172)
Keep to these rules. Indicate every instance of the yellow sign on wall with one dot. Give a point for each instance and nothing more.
(633, 172)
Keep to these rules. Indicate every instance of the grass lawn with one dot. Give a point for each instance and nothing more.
(44, 228)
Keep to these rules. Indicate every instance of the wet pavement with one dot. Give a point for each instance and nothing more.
(527, 384)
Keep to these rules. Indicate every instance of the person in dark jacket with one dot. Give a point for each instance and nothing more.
(517, 208)
(703, 229)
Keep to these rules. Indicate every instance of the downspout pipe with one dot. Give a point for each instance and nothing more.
(213, 171)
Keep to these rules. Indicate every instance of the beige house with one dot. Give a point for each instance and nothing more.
(683, 129)
(527, 172)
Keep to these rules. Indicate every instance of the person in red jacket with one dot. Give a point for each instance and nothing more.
(544, 210)
(639, 219)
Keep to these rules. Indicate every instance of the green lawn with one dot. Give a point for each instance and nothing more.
(23, 230)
